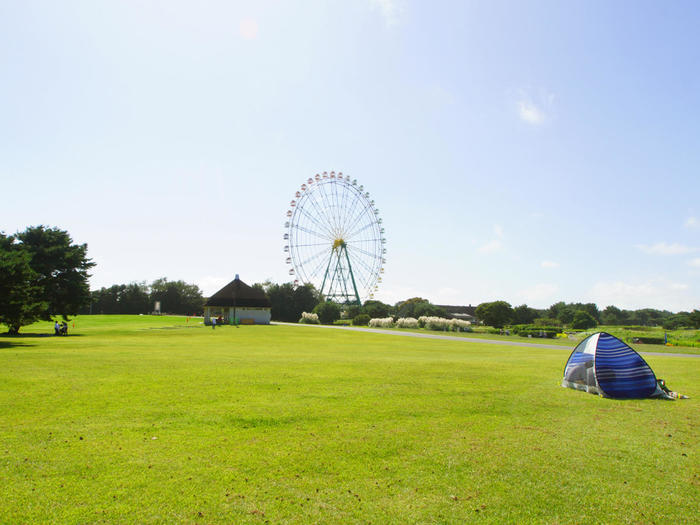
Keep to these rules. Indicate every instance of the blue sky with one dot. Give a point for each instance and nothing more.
(526, 151)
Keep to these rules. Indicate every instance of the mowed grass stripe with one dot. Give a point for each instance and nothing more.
(282, 424)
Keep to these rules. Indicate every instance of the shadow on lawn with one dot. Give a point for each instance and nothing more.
(11, 341)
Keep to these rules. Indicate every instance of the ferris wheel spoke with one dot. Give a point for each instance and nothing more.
(313, 257)
(320, 209)
(329, 208)
(316, 273)
(356, 241)
(316, 221)
(351, 214)
(349, 210)
(312, 232)
(364, 252)
(365, 212)
(370, 271)
(312, 244)
(365, 227)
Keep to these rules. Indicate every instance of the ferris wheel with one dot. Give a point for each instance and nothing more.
(335, 238)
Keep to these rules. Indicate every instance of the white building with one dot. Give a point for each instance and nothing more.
(238, 303)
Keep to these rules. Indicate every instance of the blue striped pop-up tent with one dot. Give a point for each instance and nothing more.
(602, 364)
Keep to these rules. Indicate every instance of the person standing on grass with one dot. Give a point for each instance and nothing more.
(213, 323)
(56, 328)
(64, 328)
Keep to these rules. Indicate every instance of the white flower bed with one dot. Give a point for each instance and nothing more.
(407, 322)
(440, 323)
(378, 322)
(309, 318)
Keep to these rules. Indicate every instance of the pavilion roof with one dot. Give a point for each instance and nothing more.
(239, 294)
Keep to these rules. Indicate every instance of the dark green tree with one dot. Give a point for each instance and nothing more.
(523, 314)
(20, 299)
(376, 309)
(583, 320)
(177, 297)
(417, 307)
(60, 267)
(328, 312)
(612, 315)
(496, 314)
(287, 301)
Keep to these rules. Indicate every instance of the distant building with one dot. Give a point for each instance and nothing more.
(238, 302)
(465, 313)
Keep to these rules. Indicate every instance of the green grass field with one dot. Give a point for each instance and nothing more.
(156, 420)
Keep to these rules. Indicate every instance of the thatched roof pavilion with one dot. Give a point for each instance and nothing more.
(238, 302)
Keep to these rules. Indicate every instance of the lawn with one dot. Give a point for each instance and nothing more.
(161, 420)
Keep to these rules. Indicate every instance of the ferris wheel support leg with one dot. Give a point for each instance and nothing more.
(352, 277)
(325, 275)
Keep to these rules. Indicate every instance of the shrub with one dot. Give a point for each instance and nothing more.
(382, 322)
(531, 330)
(440, 323)
(648, 340)
(407, 322)
(360, 320)
(309, 318)
(328, 312)
(547, 321)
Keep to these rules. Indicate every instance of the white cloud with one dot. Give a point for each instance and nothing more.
(662, 248)
(692, 222)
(491, 246)
(549, 264)
(538, 294)
(248, 29)
(530, 113)
(658, 293)
(534, 107)
(389, 9)
(210, 284)
(695, 262)
(498, 230)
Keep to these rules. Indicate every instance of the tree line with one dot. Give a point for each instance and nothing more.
(582, 316)
(175, 297)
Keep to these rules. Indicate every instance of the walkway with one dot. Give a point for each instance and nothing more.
(464, 339)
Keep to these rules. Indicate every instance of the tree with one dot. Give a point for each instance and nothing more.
(328, 312)
(583, 320)
(523, 314)
(376, 309)
(287, 301)
(612, 315)
(496, 314)
(417, 307)
(130, 298)
(61, 269)
(177, 297)
(20, 300)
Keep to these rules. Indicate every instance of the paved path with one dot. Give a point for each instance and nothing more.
(464, 339)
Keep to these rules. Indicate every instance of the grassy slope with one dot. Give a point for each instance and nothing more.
(287, 424)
